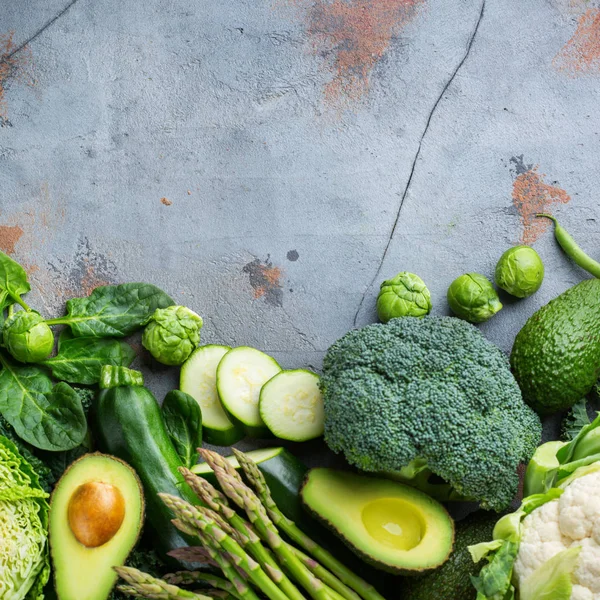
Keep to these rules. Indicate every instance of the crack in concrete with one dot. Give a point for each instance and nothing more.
(416, 158)
(39, 32)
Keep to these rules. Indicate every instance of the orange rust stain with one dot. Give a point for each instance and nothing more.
(355, 34)
(531, 195)
(9, 236)
(265, 280)
(89, 282)
(581, 54)
(166, 201)
(12, 66)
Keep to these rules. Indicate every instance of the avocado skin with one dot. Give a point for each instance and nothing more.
(556, 356)
(452, 581)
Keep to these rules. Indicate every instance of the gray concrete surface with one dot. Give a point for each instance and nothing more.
(269, 163)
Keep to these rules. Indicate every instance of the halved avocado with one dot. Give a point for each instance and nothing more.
(392, 526)
(96, 516)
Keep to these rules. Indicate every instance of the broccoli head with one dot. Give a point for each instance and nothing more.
(429, 396)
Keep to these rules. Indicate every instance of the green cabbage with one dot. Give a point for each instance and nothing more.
(24, 558)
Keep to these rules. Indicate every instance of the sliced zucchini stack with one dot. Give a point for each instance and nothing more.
(291, 405)
(240, 376)
(199, 380)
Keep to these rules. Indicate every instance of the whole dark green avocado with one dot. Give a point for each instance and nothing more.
(556, 356)
(452, 581)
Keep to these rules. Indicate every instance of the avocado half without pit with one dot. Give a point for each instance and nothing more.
(389, 525)
(96, 515)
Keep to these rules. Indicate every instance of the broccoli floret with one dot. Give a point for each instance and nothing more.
(431, 392)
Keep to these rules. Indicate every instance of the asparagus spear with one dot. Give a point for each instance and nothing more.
(143, 585)
(202, 519)
(192, 577)
(238, 492)
(221, 559)
(257, 480)
(218, 502)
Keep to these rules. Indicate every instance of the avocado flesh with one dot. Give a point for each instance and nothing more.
(82, 573)
(556, 356)
(390, 525)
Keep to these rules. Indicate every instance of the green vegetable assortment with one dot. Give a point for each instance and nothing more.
(425, 406)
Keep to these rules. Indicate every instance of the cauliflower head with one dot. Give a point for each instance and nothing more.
(429, 395)
(570, 521)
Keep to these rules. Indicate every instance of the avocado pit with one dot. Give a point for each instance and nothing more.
(96, 512)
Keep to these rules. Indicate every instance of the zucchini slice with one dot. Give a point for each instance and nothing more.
(291, 405)
(198, 379)
(240, 376)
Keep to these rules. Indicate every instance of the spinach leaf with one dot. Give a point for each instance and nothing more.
(183, 420)
(49, 418)
(113, 310)
(13, 279)
(80, 359)
(111, 377)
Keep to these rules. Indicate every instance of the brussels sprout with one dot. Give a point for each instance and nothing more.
(520, 271)
(406, 295)
(472, 297)
(172, 334)
(27, 336)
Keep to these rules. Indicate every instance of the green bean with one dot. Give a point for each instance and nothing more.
(572, 249)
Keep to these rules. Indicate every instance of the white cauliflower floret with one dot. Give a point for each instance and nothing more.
(588, 567)
(581, 593)
(580, 507)
(571, 520)
(541, 539)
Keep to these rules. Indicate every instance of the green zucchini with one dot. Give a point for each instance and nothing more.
(198, 379)
(128, 424)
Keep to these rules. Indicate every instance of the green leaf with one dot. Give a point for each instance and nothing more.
(575, 420)
(183, 421)
(80, 360)
(13, 278)
(494, 581)
(553, 580)
(111, 377)
(113, 310)
(49, 418)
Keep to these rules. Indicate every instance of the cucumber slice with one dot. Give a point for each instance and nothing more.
(240, 375)
(198, 379)
(291, 405)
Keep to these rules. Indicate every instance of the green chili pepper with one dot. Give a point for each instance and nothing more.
(572, 249)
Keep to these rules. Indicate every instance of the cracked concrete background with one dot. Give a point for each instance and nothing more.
(269, 163)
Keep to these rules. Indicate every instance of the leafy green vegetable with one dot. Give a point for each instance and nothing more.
(576, 418)
(80, 359)
(27, 336)
(183, 422)
(24, 560)
(553, 580)
(116, 376)
(431, 390)
(50, 418)
(472, 297)
(113, 310)
(172, 334)
(405, 295)
(43, 471)
(13, 280)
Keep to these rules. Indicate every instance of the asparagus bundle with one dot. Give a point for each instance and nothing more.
(250, 553)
